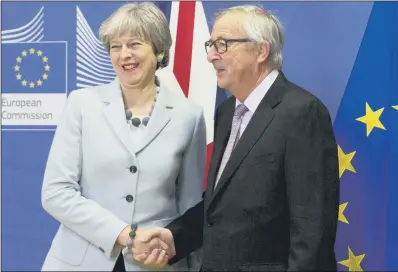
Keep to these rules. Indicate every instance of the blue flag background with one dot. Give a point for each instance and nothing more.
(366, 128)
(34, 67)
(346, 53)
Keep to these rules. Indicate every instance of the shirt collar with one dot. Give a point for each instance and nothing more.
(254, 99)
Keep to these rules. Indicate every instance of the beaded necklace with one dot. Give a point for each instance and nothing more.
(135, 121)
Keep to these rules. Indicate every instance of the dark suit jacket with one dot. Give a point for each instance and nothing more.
(276, 205)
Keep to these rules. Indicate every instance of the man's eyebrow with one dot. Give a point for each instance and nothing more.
(218, 37)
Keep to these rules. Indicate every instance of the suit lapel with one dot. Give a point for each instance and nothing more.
(114, 113)
(160, 118)
(116, 117)
(223, 129)
(256, 127)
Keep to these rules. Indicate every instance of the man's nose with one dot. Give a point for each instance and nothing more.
(212, 54)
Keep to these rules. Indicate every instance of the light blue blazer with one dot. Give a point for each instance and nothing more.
(90, 185)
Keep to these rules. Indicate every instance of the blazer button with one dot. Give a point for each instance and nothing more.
(210, 224)
(129, 198)
(133, 169)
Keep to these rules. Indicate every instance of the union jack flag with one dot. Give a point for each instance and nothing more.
(189, 70)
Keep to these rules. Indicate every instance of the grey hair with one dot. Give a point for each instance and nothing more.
(262, 26)
(143, 20)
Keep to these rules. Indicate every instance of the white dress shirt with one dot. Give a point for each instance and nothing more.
(254, 99)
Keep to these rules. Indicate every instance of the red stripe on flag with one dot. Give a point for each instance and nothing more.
(208, 158)
(184, 43)
(183, 58)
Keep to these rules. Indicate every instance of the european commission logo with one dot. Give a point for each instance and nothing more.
(31, 31)
(92, 60)
(34, 67)
(34, 76)
(24, 57)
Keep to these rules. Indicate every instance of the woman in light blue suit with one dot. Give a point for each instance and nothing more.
(131, 151)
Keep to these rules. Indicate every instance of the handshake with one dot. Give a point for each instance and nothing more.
(153, 247)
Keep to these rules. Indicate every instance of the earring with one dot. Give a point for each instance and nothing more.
(160, 57)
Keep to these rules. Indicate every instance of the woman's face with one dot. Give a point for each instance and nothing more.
(134, 61)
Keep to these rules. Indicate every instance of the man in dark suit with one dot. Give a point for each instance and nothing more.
(272, 196)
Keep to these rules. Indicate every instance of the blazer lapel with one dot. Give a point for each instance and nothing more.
(115, 114)
(256, 127)
(160, 118)
(223, 129)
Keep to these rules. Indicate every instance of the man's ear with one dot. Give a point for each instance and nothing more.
(263, 52)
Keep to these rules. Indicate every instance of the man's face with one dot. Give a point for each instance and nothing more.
(240, 61)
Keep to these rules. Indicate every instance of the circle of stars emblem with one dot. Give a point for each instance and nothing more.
(17, 68)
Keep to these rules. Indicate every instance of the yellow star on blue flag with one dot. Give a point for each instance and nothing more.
(366, 128)
(34, 67)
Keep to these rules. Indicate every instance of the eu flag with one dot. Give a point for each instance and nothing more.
(38, 67)
(366, 128)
